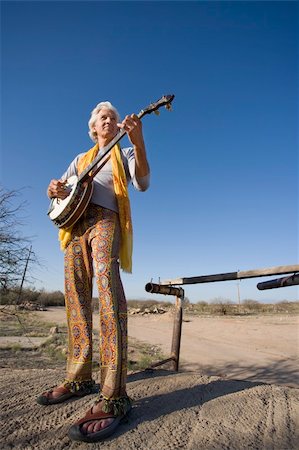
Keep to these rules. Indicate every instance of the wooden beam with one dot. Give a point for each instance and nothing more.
(278, 270)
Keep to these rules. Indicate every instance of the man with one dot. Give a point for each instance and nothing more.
(101, 237)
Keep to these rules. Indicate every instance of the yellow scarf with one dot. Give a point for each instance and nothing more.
(123, 201)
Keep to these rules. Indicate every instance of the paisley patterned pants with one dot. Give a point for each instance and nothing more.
(94, 250)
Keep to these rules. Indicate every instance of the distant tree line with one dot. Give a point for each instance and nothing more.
(40, 298)
(44, 299)
(246, 307)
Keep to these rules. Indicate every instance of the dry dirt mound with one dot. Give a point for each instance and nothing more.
(171, 411)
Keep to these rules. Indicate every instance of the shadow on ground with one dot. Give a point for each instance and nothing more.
(283, 372)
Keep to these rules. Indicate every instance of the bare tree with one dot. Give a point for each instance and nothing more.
(15, 252)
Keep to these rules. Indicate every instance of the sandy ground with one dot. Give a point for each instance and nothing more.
(261, 348)
(226, 402)
(257, 348)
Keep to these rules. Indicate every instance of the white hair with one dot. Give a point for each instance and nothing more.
(93, 118)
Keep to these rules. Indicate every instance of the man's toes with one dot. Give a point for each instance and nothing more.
(98, 426)
(106, 422)
(55, 394)
(89, 428)
(95, 426)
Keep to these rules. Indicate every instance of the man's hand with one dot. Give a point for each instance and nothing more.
(133, 127)
(58, 189)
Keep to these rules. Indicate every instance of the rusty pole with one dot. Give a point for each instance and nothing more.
(176, 335)
(177, 323)
(279, 282)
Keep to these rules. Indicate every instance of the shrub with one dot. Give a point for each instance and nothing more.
(42, 298)
(12, 296)
(55, 298)
(201, 307)
(147, 304)
(251, 305)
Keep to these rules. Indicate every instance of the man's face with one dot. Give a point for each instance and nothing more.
(105, 125)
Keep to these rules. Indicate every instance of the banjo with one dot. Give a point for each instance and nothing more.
(65, 213)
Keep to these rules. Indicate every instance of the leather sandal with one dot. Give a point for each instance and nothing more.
(64, 394)
(76, 433)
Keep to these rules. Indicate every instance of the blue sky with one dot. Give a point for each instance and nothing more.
(224, 163)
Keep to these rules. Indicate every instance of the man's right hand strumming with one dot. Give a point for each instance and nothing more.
(57, 189)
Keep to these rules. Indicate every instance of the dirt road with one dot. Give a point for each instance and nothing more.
(257, 348)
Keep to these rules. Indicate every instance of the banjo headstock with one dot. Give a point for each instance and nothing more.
(153, 107)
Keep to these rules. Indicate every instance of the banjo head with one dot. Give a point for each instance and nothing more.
(65, 213)
(58, 206)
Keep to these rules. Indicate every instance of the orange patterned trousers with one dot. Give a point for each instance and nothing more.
(93, 251)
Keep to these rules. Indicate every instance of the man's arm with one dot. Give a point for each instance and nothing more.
(56, 187)
(133, 126)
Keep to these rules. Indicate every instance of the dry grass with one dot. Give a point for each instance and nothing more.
(54, 349)
(22, 323)
(247, 307)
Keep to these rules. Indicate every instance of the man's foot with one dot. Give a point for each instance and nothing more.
(97, 425)
(60, 394)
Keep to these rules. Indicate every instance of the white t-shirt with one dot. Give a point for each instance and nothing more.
(103, 189)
